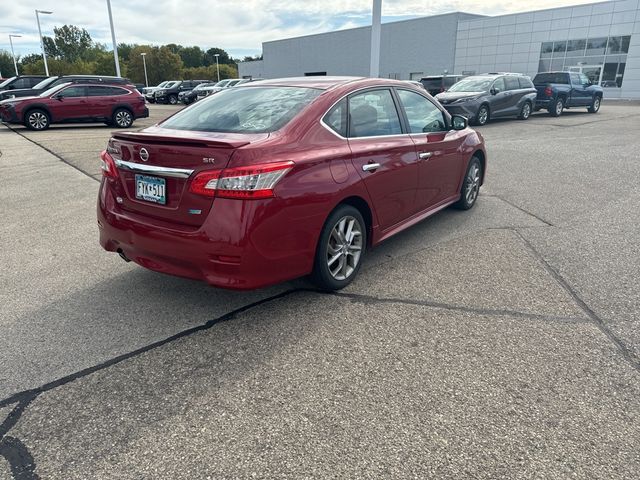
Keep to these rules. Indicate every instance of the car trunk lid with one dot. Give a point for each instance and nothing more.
(156, 166)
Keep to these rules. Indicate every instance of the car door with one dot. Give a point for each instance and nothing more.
(383, 155)
(499, 98)
(70, 103)
(584, 87)
(437, 149)
(515, 95)
(102, 99)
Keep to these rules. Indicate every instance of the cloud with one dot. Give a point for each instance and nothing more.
(239, 27)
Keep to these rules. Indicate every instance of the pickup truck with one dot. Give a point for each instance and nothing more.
(560, 90)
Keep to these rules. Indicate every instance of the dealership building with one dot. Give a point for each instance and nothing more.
(601, 40)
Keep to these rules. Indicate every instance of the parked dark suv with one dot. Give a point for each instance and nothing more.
(436, 84)
(49, 82)
(169, 94)
(20, 82)
(492, 95)
(117, 105)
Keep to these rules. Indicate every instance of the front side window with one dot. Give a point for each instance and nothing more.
(499, 84)
(422, 115)
(575, 78)
(244, 110)
(373, 113)
(584, 80)
(73, 92)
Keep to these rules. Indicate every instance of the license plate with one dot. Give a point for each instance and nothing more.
(151, 189)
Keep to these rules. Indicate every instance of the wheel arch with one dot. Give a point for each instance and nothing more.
(124, 106)
(363, 207)
(480, 155)
(36, 106)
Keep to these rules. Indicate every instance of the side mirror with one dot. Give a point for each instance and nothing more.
(58, 97)
(495, 91)
(458, 122)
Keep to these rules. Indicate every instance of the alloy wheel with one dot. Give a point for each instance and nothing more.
(472, 184)
(123, 118)
(38, 120)
(526, 111)
(559, 107)
(596, 104)
(483, 115)
(344, 248)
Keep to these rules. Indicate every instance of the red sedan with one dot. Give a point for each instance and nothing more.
(282, 178)
(117, 105)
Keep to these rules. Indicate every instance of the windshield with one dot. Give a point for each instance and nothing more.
(244, 110)
(170, 84)
(162, 84)
(473, 84)
(203, 85)
(6, 82)
(54, 89)
(222, 83)
(44, 83)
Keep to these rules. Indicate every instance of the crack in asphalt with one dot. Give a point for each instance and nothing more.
(549, 224)
(62, 159)
(627, 354)
(370, 299)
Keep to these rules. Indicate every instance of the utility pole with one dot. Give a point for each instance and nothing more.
(144, 62)
(15, 64)
(44, 55)
(113, 38)
(376, 22)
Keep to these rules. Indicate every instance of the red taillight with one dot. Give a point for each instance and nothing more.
(108, 165)
(256, 181)
(548, 92)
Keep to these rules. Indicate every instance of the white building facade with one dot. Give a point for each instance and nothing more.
(601, 40)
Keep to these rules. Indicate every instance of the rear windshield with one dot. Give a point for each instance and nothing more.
(552, 78)
(244, 110)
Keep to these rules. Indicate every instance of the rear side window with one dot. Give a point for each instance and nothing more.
(422, 115)
(512, 83)
(336, 118)
(562, 78)
(525, 82)
(244, 110)
(106, 91)
(373, 113)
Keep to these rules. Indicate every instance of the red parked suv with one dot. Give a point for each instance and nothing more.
(117, 105)
(282, 178)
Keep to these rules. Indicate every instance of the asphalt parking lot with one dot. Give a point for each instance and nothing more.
(502, 342)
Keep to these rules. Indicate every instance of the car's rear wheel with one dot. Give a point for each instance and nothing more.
(595, 105)
(341, 248)
(122, 118)
(482, 117)
(173, 99)
(37, 119)
(470, 185)
(556, 107)
(525, 111)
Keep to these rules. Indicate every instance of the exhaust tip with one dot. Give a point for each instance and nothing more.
(123, 256)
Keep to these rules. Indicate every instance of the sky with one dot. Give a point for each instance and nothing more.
(238, 26)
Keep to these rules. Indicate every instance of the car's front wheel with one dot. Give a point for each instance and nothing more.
(173, 99)
(122, 118)
(341, 248)
(37, 120)
(470, 185)
(482, 117)
(595, 105)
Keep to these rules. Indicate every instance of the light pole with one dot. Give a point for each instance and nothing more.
(144, 62)
(376, 21)
(44, 55)
(113, 38)
(217, 65)
(15, 64)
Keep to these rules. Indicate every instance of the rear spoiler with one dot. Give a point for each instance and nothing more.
(193, 141)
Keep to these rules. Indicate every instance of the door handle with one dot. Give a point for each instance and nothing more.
(425, 155)
(370, 166)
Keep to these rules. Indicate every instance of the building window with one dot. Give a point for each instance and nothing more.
(602, 60)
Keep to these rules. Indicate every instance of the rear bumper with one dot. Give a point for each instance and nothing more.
(144, 114)
(237, 247)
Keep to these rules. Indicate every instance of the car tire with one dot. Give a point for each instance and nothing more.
(122, 118)
(556, 107)
(525, 111)
(151, 100)
(483, 115)
(595, 104)
(338, 258)
(173, 99)
(470, 185)
(37, 119)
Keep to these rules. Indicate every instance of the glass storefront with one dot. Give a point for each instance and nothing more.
(601, 59)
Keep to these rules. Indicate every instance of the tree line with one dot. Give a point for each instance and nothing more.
(73, 51)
